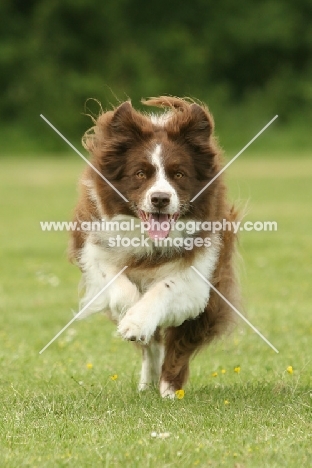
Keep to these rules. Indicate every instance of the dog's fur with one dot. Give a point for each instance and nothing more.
(159, 301)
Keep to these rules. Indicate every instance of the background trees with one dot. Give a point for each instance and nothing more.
(246, 59)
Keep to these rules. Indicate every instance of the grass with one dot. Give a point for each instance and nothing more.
(62, 408)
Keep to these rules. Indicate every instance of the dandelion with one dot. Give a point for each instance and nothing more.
(226, 402)
(89, 365)
(180, 394)
(223, 371)
(214, 374)
(114, 377)
(290, 370)
(237, 369)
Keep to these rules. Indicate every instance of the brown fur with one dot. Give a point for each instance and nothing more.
(187, 138)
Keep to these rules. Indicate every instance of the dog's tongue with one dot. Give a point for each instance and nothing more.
(158, 230)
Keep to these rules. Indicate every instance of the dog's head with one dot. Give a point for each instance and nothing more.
(159, 163)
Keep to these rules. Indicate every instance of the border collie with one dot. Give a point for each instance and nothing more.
(159, 162)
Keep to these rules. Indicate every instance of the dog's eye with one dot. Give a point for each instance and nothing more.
(141, 175)
(178, 175)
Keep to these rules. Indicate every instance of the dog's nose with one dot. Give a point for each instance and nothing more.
(160, 199)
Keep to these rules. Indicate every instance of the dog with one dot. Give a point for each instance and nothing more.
(147, 168)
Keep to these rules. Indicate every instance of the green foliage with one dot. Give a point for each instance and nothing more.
(249, 56)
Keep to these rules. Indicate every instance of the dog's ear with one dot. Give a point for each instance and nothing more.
(122, 116)
(201, 119)
(199, 127)
(128, 125)
(193, 124)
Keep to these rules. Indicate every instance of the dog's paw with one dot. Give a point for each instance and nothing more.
(132, 330)
(167, 390)
(133, 327)
(143, 386)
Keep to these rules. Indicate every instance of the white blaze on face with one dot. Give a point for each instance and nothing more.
(159, 219)
(161, 184)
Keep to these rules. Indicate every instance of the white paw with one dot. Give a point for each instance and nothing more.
(166, 390)
(143, 386)
(133, 330)
(133, 327)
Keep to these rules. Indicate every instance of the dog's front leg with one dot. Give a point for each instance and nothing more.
(98, 272)
(167, 303)
(117, 298)
(153, 357)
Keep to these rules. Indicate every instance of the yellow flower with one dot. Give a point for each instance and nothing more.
(180, 394)
(89, 365)
(214, 374)
(290, 370)
(226, 402)
(237, 369)
(223, 371)
(114, 377)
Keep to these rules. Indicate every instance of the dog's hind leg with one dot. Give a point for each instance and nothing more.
(184, 341)
(153, 356)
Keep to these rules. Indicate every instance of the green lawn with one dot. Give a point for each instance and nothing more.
(62, 408)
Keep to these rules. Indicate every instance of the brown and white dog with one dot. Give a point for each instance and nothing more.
(159, 162)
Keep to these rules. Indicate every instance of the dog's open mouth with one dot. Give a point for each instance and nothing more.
(159, 224)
